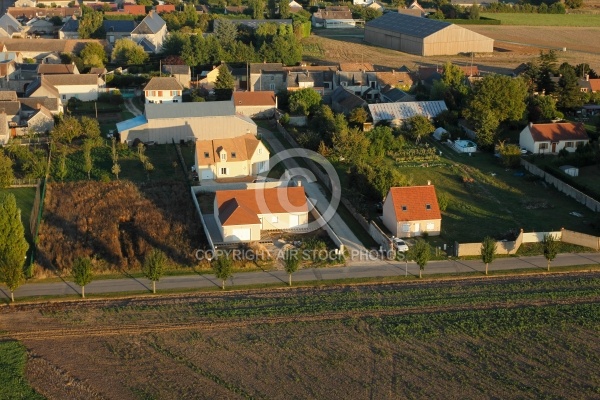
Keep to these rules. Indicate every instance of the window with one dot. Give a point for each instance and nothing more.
(260, 150)
(344, 83)
(223, 156)
(271, 86)
(261, 166)
(160, 93)
(223, 171)
(403, 208)
(405, 227)
(326, 85)
(233, 154)
(543, 146)
(430, 226)
(206, 155)
(274, 219)
(175, 101)
(64, 96)
(569, 144)
(174, 93)
(272, 77)
(428, 206)
(372, 84)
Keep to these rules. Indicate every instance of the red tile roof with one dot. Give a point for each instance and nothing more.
(558, 131)
(595, 85)
(411, 203)
(166, 8)
(244, 146)
(265, 98)
(240, 207)
(134, 9)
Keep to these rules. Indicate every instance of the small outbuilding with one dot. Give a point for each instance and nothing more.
(438, 133)
(570, 170)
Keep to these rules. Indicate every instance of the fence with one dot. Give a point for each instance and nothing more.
(336, 240)
(511, 247)
(25, 182)
(206, 232)
(379, 236)
(561, 186)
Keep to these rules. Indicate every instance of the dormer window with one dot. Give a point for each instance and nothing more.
(223, 156)
(206, 155)
(403, 208)
(428, 206)
(233, 154)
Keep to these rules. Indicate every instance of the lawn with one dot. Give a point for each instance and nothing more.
(588, 20)
(12, 372)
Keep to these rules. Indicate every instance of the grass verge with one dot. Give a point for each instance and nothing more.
(12, 372)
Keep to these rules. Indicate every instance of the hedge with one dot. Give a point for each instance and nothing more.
(481, 21)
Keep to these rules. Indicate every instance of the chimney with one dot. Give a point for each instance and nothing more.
(530, 125)
(428, 183)
(587, 77)
(299, 183)
(393, 72)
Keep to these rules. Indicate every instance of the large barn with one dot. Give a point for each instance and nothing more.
(423, 36)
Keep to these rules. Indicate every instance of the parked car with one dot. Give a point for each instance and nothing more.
(400, 245)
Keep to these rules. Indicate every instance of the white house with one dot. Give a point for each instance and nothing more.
(409, 211)
(163, 90)
(150, 33)
(241, 215)
(64, 86)
(553, 137)
(231, 158)
(10, 27)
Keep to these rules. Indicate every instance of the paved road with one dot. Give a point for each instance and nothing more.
(315, 193)
(360, 269)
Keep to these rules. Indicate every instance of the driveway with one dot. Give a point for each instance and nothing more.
(132, 107)
(316, 193)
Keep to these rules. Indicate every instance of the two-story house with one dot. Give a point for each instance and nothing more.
(267, 76)
(163, 90)
(150, 33)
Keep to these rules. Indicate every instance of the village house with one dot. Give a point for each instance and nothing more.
(318, 77)
(84, 87)
(10, 27)
(333, 17)
(587, 85)
(255, 104)
(236, 157)
(34, 12)
(150, 33)
(163, 90)
(553, 137)
(241, 215)
(54, 69)
(412, 210)
(181, 73)
(344, 101)
(267, 76)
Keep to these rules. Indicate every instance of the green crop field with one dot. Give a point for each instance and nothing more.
(588, 20)
(512, 337)
(12, 370)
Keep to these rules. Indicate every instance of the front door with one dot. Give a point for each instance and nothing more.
(554, 147)
(417, 228)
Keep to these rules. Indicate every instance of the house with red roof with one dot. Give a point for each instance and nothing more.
(409, 211)
(236, 157)
(241, 215)
(553, 137)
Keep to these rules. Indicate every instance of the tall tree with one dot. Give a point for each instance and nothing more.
(474, 12)
(495, 99)
(291, 263)
(93, 55)
(7, 175)
(284, 9)
(304, 101)
(351, 144)
(61, 168)
(90, 24)
(569, 94)
(90, 128)
(127, 52)
(226, 32)
(225, 83)
(418, 127)
(154, 265)
(546, 70)
(13, 246)
(550, 247)
(488, 251)
(421, 253)
(82, 273)
(88, 163)
(258, 8)
(223, 269)
(174, 44)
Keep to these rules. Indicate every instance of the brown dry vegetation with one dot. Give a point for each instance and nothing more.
(514, 45)
(502, 338)
(117, 223)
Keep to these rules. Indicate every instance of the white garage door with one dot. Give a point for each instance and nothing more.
(242, 234)
(207, 174)
(294, 221)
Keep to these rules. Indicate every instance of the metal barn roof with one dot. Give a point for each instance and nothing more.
(408, 25)
(401, 111)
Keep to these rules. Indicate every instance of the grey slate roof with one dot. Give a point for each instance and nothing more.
(408, 25)
(31, 103)
(347, 100)
(71, 26)
(36, 84)
(147, 45)
(71, 79)
(152, 23)
(176, 69)
(187, 110)
(395, 94)
(118, 26)
(257, 68)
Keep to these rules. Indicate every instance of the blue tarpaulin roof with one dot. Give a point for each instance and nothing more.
(131, 123)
